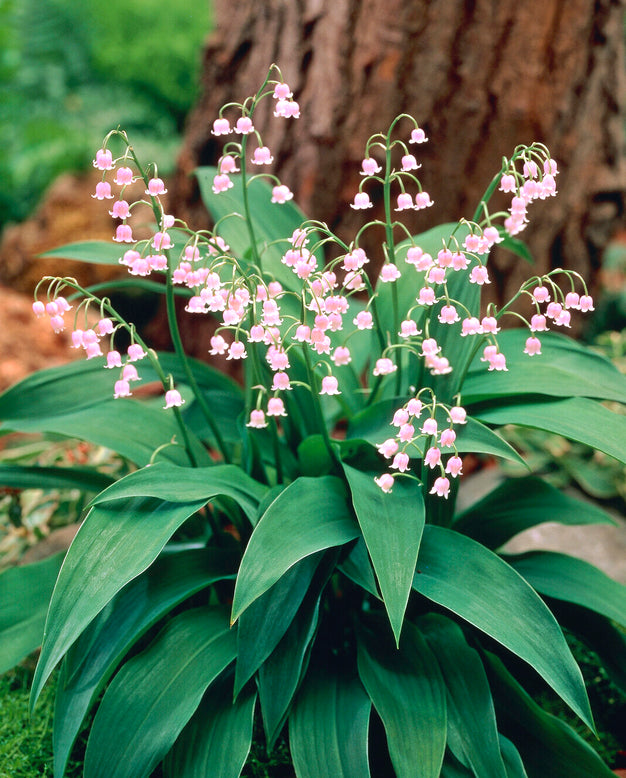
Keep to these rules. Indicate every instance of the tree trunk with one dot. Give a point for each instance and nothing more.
(480, 76)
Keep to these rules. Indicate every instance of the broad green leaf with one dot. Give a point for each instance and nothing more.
(573, 580)
(563, 369)
(280, 674)
(92, 659)
(217, 739)
(265, 621)
(374, 425)
(310, 515)
(408, 692)
(114, 544)
(472, 729)
(24, 596)
(358, 568)
(86, 479)
(576, 418)
(130, 428)
(63, 391)
(547, 745)
(392, 529)
(519, 504)
(175, 484)
(516, 246)
(99, 252)
(154, 695)
(328, 727)
(473, 582)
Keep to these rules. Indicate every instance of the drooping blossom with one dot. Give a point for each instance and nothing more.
(441, 487)
(281, 193)
(385, 482)
(330, 385)
(257, 419)
(361, 201)
(173, 399)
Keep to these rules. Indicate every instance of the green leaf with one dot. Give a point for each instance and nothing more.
(519, 504)
(127, 427)
(86, 479)
(280, 674)
(265, 621)
(24, 596)
(597, 632)
(65, 397)
(98, 252)
(310, 515)
(573, 580)
(92, 659)
(472, 729)
(547, 745)
(516, 246)
(328, 727)
(373, 425)
(358, 568)
(563, 369)
(392, 529)
(175, 484)
(114, 544)
(154, 695)
(217, 739)
(576, 418)
(481, 588)
(408, 692)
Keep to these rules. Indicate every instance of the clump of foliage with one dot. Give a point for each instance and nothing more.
(289, 551)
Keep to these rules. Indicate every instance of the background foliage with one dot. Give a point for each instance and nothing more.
(72, 69)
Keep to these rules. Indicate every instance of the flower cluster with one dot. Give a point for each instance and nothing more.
(321, 316)
(435, 440)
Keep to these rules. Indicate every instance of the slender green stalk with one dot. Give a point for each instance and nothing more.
(175, 332)
(105, 306)
(318, 407)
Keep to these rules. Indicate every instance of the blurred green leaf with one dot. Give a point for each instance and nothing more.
(546, 744)
(563, 369)
(87, 479)
(98, 252)
(576, 418)
(573, 580)
(24, 596)
(519, 504)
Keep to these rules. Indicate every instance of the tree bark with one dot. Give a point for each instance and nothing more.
(480, 76)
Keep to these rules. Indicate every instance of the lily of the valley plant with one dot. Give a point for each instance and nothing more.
(287, 549)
